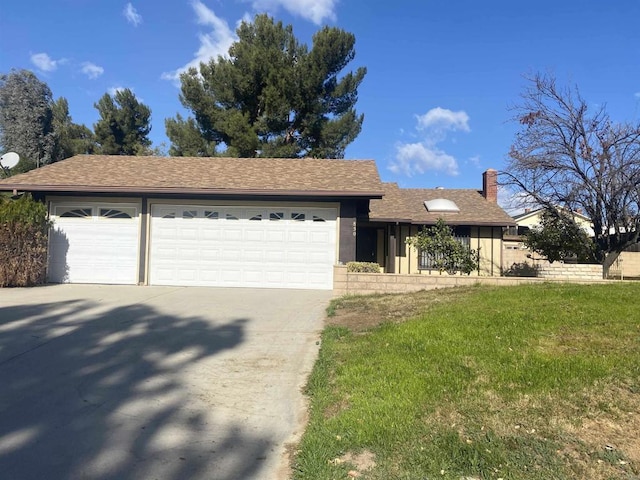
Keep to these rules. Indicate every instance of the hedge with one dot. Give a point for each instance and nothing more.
(363, 267)
(24, 230)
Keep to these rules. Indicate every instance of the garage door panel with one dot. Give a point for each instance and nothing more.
(209, 232)
(253, 277)
(188, 255)
(275, 236)
(209, 277)
(253, 235)
(297, 236)
(277, 256)
(255, 256)
(319, 237)
(317, 258)
(232, 234)
(231, 255)
(296, 258)
(261, 247)
(188, 274)
(210, 254)
(188, 234)
(230, 275)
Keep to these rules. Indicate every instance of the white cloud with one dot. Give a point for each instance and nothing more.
(637, 95)
(314, 10)
(417, 158)
(45, 63)
(444, 119)
(426, 155)
(91, 70)
(212, 44)
(132, 15)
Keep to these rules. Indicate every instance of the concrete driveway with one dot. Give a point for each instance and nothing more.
(115, 382)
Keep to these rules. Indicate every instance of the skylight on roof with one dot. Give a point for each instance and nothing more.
(441, 205)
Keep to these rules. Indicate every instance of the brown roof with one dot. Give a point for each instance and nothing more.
(198, 175)
(391, 207)
(409, 203)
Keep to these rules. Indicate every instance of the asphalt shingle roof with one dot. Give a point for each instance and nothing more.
(198, 175)
(409, 205)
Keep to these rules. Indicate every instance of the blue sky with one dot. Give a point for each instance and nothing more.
(441, 74)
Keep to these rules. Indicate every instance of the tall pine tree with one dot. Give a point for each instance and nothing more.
(273, 97)
(124, 124)
(71, 138)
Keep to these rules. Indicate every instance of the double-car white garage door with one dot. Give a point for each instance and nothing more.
(205, 245)
(242, 246)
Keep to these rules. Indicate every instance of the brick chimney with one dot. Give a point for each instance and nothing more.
(490, 185)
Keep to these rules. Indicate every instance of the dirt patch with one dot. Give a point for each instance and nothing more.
(362, 462)
(360, 313)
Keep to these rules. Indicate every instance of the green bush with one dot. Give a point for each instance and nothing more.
(24, 230)
(363, 267)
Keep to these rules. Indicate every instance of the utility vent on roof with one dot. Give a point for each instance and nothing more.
(441, 205)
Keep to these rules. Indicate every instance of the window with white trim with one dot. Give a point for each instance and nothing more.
(117, 212)
(76, 212)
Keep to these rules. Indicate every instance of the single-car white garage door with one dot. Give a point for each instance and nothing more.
(94, 243)
(232, 246)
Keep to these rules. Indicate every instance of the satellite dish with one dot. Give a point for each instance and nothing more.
(9, 160)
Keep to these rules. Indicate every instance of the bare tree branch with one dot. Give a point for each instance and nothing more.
(564, 156)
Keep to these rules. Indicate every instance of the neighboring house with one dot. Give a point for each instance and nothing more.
(474, 215)
(515, 250)
(627, 265)
(532, 218)
(278, 223)
(235, 222)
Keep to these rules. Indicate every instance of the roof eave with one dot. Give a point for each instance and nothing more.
(389, 220)
(467, 222)
(189, 191)
(449, 222)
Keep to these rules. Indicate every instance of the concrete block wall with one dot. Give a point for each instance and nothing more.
(570, 271)
(627, 265)
(366, 283)
(511, 256)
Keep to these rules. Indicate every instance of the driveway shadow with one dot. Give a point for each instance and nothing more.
(112, 395)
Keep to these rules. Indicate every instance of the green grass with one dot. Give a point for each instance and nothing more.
(527, 382)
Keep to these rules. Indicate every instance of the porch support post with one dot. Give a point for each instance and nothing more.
(347, 233)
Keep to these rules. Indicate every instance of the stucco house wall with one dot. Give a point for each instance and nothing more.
(488, 240)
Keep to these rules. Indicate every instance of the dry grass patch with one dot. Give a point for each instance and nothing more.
(596, 434)
(359, 313)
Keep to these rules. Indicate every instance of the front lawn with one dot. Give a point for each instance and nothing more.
(529, 382)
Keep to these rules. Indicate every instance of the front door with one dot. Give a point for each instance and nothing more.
(367, 245)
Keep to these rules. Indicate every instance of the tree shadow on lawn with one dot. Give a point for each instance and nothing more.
(115, 395)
